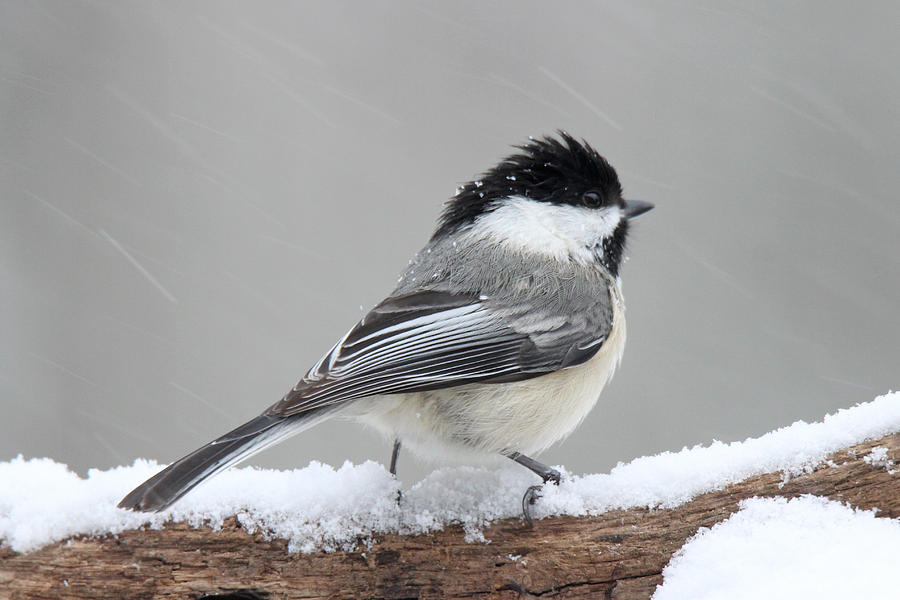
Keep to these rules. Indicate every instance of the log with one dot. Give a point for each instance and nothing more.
(616, 555)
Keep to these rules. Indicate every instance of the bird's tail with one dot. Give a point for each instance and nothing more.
(176, 480)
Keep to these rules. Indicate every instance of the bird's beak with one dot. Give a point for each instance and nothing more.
(634, 208)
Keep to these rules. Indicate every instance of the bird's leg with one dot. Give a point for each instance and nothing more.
(533, 493)
(394, 454)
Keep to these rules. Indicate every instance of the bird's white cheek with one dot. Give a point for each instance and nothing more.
(559, 231)
(589, 226)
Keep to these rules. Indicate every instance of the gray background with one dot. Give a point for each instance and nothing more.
(198, 200)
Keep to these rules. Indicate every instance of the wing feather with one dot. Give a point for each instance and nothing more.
(434, 339)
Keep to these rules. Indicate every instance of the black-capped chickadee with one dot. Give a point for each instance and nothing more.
(498, 338)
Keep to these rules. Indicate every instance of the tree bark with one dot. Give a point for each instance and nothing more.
(617, 555)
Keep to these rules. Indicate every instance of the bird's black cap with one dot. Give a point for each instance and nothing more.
(560, 170)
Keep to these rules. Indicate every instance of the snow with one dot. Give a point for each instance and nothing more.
(878, 457)
(807, 547)
(323, 508)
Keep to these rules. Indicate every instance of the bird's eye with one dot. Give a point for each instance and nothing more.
(592, 199)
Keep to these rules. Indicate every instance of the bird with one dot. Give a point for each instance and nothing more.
(497, 340)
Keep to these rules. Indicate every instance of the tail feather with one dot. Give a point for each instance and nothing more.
(176, 480)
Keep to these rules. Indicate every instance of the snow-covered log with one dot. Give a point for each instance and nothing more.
(617, 554)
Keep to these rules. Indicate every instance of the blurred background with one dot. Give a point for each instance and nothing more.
(197, 200)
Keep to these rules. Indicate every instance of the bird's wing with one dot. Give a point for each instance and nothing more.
(433, 339)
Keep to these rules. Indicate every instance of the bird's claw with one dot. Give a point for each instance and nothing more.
(533, 494)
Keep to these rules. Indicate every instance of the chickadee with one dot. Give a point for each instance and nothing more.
(498, 338)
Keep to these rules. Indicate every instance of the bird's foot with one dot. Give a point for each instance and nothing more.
(533, 494)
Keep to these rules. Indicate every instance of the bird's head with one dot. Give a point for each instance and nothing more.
(555, 196)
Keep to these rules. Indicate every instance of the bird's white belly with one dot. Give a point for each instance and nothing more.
(472, 420)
